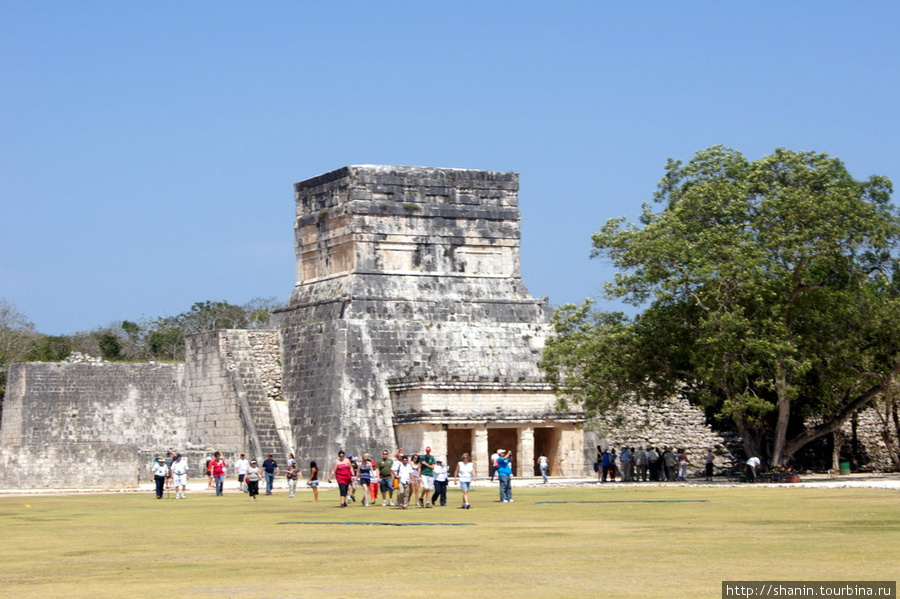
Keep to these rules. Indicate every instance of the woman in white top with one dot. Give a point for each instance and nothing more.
(465, 476)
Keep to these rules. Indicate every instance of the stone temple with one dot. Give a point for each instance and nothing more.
(408, 326)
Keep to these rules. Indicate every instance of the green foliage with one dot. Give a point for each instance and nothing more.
(157, 339)
(51, 348)
(110, 346)
(770, 292)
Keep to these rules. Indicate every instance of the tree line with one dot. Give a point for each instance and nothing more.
(768, 293)
(153, 339)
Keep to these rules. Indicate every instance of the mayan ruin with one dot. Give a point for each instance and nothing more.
(409, 326)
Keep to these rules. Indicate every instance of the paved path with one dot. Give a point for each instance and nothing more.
(878, 480)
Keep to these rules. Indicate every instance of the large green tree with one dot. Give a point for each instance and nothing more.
(769, 294)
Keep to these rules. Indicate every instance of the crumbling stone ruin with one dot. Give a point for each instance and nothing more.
(410, 323)
(409, 326)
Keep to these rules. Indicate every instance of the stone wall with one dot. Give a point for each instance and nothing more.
(675, 423)
(214, 417)
(59, 415)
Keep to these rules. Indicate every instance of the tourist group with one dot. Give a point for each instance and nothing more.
(399, 478)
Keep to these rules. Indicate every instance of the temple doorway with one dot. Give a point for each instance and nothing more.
(459, 441)
(546, 442)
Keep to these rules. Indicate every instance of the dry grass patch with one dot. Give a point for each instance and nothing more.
(655, 542)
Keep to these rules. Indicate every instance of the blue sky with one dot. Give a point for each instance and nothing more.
(148, 149)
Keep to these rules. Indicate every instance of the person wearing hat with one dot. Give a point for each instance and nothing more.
(426, 476)
(179, 475)
(252, 480)
(160, 473)
(270, 466)
(441, 476)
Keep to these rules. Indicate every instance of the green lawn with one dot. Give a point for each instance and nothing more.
(588, 542)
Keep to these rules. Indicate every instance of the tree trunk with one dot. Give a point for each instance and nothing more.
(891, 417)
(779, 456)
(852, 406)
(749, 436)
(837, 440)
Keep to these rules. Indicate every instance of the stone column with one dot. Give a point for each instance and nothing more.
(480, 454)
(436, 439)
(525, 466)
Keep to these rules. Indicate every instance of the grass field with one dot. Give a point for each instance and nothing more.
(552, 542)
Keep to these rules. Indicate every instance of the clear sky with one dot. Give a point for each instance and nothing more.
(148, 149)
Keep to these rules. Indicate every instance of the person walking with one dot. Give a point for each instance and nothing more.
(365, 478)
(313, 481)
(241, 466)
(374, 480)
(441, 473)
(252, 478)
(465, 476)
(544, 466)
(270, 468)
(404, 473)
(504, 474)
(179, 475)
(292, 472)
(710, 460)
(217, 468)
(426, 477)
(342, 473)
(414, 479)
(385, 480)
(160, 474)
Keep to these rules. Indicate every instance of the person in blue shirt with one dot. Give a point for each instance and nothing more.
(504, 473)
(270, 467)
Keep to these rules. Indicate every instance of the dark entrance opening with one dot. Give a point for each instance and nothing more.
(546, 442)
(459, 441)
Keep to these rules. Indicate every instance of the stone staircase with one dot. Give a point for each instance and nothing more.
(262, 414)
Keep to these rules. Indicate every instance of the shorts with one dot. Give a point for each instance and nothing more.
(343, 489)
(386, 484)
(427, 482)
(241, 477)
(179, 480)
(464, 486)
(313, 483)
